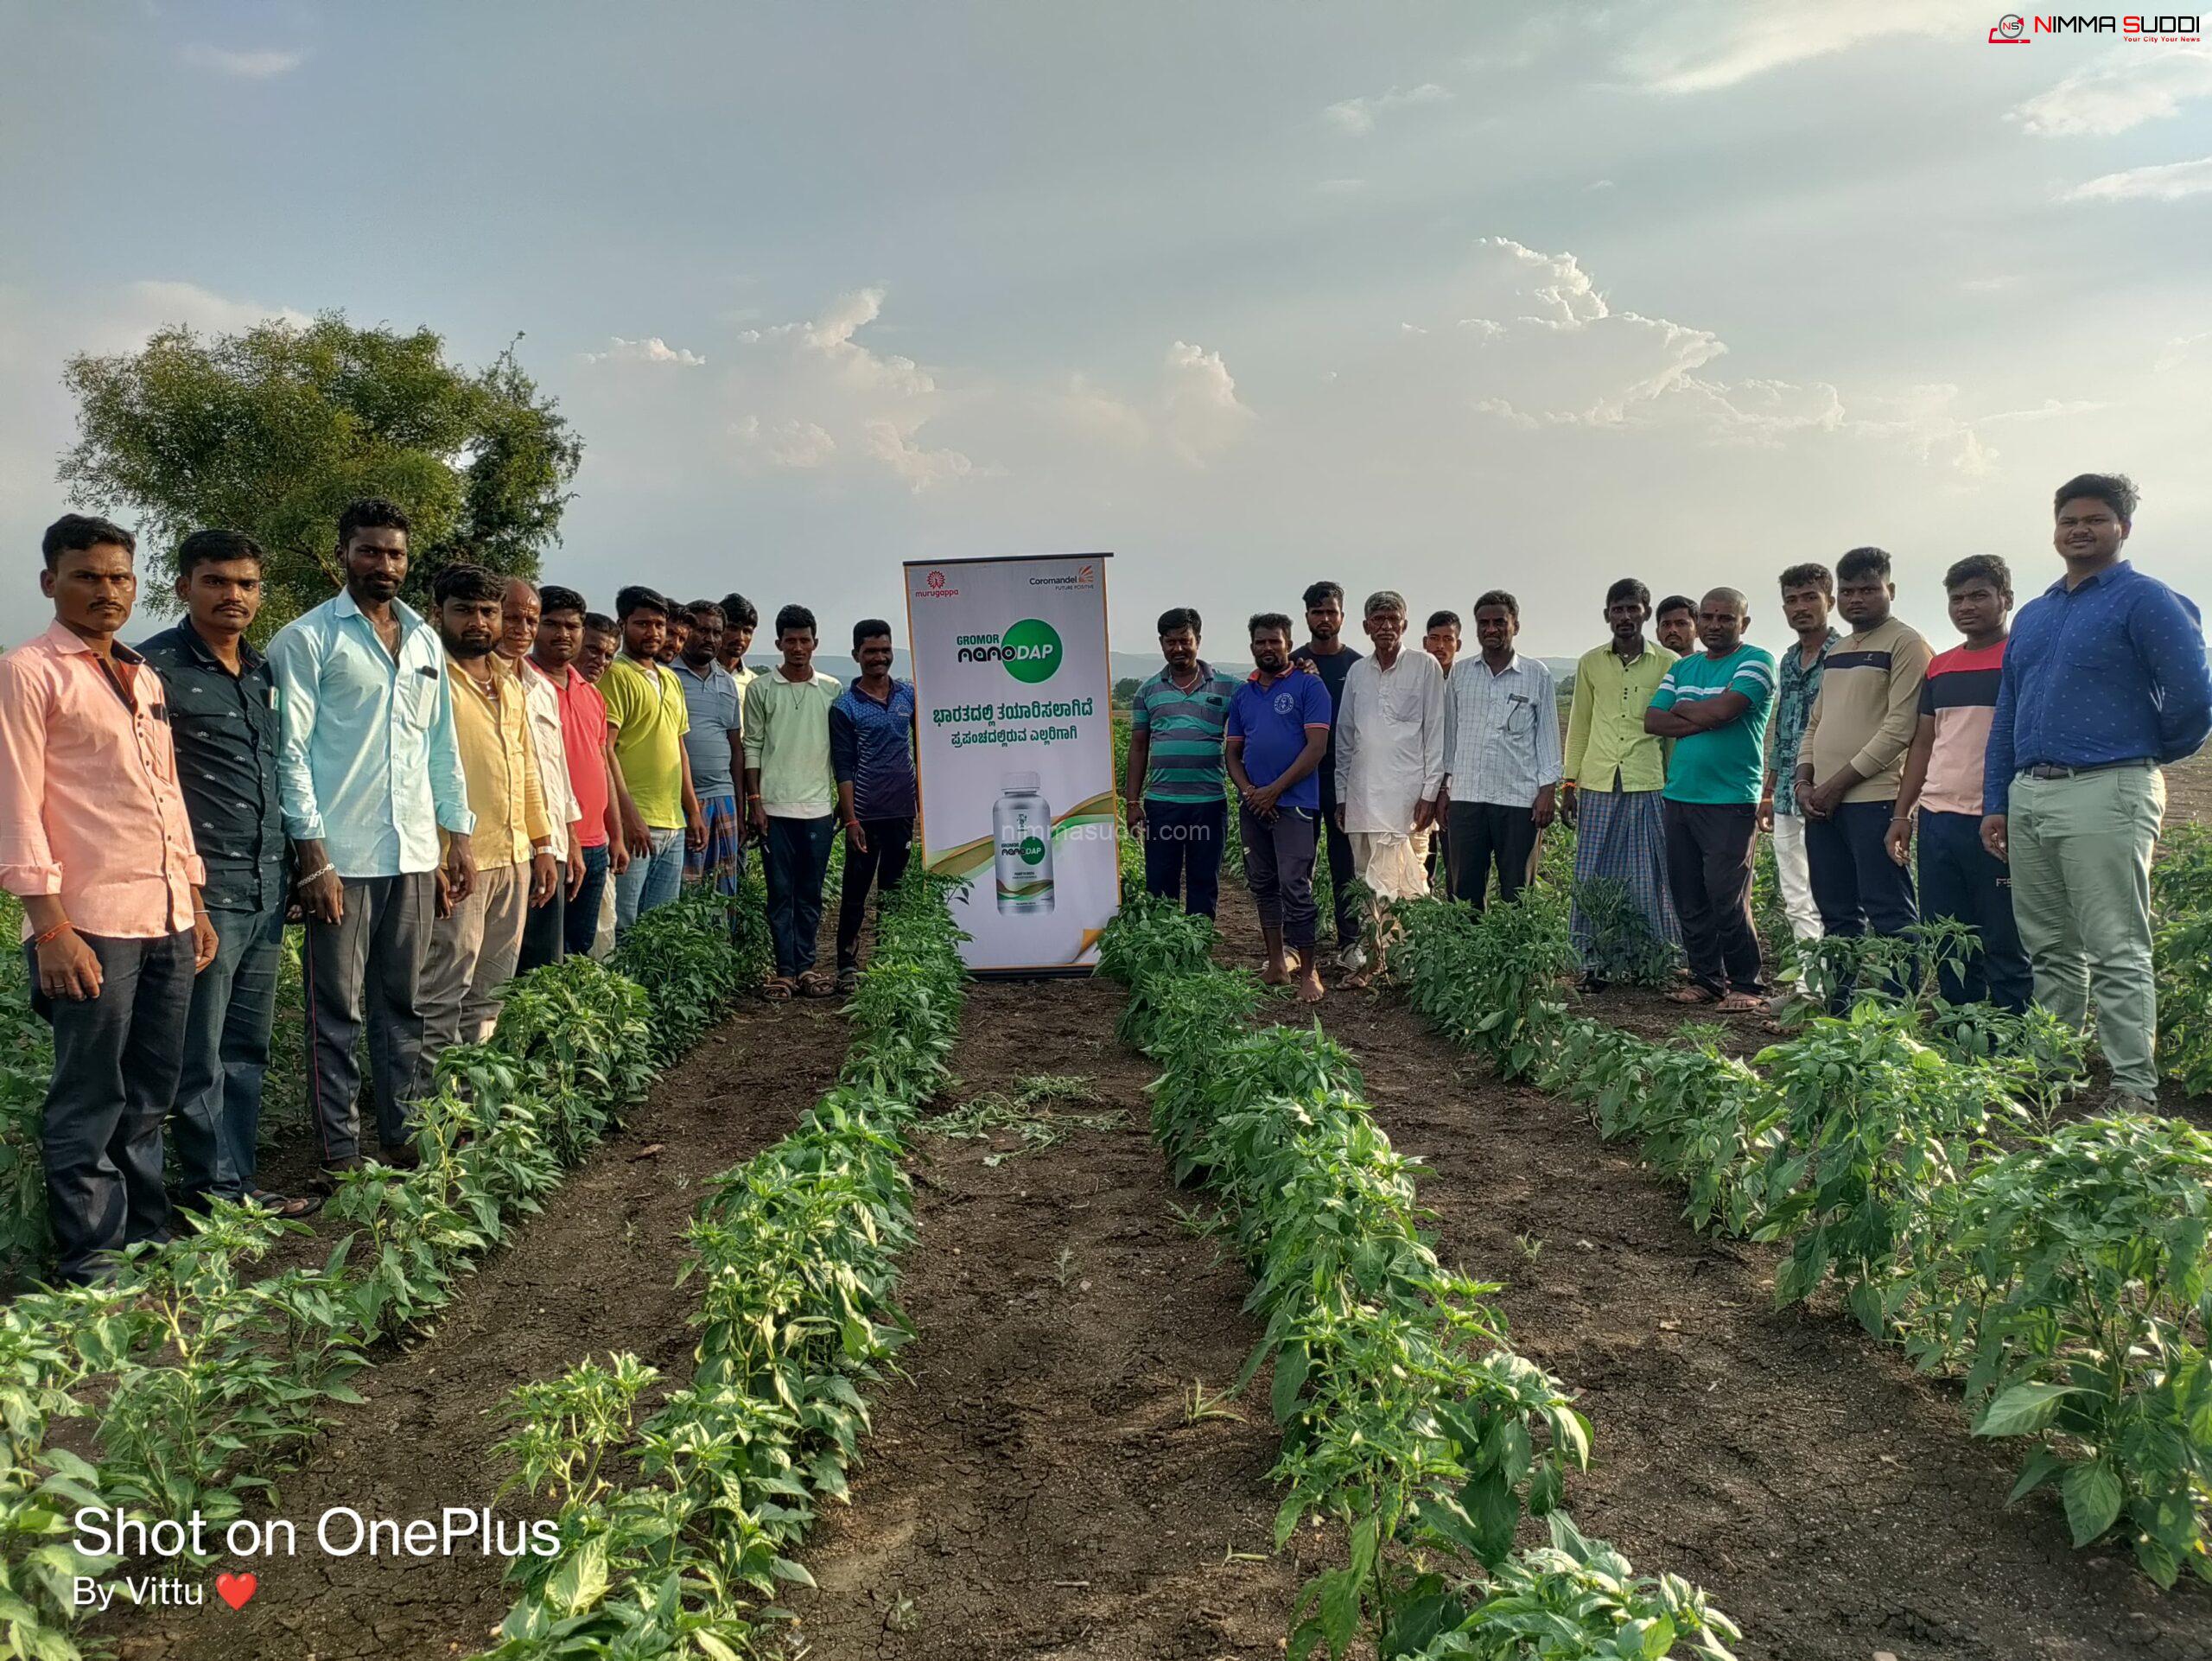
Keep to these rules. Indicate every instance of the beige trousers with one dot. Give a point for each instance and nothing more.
(471, 955)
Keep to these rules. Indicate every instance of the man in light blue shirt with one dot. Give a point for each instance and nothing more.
(368, 777)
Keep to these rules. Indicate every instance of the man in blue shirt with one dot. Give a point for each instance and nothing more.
(369, 774)
(872, 757)
(1277, 734)
(2104, 683)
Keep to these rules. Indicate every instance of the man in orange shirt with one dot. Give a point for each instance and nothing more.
(96, 842)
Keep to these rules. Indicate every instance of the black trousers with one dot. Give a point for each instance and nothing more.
(1339, 857)
(1484, 835)
(890, 844)
(1709, 855)
(116, 1059)
(545, 928)
(1182, 851)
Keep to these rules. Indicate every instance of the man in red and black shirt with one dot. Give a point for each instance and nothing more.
(1942, 780)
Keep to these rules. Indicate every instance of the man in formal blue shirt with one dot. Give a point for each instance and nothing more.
(369, 775)
(2105, 682)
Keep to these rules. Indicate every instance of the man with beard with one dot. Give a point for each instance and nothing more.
(646, 711)
(223, 718)
(1390, 762)
(1174, 799)
(1676, 624)
(546, 927)
(1276, 734)
(791, 795)
(713, 746)
(1807, 591)
(1441, 641)
(1500, 757)
(564, 624)
(2104, 684)
(1326, 655)
(478, 936)
(1615, 772)
(96, 841)
(376, 807)
(872, 758)
(602, 644)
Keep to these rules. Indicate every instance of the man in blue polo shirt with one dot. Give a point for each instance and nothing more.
(1172, 791)
(2104, 683)
(1278, 732)
(872, 758)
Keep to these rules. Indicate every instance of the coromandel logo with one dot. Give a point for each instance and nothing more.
(1030, 650)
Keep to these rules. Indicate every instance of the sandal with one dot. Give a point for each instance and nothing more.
(848, 981)
(1742, 1003)
(776, 988)
(1691, 994)
(305, 1204)
(816, 983)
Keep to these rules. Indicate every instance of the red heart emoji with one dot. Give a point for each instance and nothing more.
(237, 1590)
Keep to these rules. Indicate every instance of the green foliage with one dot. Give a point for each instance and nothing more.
(272, 430)
(2181, 905)
(1493, 982)
(1624, 949)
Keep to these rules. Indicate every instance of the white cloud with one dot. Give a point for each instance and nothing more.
(1703, 46)
(137, 309)
(1355, 117)
(650, 350)
(266, 64)
(1200, 413)
(2178, 351)
(2167, 183)
(2124, 90)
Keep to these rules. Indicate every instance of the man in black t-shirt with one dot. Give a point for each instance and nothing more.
(1327, 656)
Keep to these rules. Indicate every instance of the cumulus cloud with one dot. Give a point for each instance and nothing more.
(265, 64)
(2124, 90)
(1355, 117)
(1201, 414)
(134, 311)
(2178, 351)
(1703, 46)
(650, 350)
(2167, 183)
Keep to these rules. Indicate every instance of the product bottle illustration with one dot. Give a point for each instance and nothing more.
(1021, 825)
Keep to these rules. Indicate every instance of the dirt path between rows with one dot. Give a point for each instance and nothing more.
(1034, 1486)
(594, 1273)
(1826, 1496)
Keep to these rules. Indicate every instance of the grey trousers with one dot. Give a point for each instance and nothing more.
(471, 955)
(116, 1059)
(366, 970)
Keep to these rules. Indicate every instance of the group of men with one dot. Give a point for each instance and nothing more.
(443, 801)
(2023, 761)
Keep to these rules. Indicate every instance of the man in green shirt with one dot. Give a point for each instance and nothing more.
(647, 719)
(790, 799)
(1713, 704)
(1173, 787)
(1615, 772)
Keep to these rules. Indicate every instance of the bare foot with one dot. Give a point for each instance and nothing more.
(1309, 986)
(1274, 975)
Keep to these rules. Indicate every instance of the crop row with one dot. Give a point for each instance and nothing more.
(675, 1527)
(1405, 1416)
(1911, 1154)
(174, 1387)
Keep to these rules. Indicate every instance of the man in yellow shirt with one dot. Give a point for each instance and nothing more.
(1615, 771)
(476, 940)
(648, 716)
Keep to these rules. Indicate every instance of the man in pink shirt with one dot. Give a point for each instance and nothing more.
(96, 842)
(590, 751)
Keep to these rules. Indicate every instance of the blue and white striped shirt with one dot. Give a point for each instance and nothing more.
(1501, 732)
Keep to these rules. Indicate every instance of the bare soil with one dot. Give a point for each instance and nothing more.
(594, 1273)
(1825, 1495)
(1035, 1487)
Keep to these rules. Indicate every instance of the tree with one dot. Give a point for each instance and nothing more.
(1125, 691)
(273, 431)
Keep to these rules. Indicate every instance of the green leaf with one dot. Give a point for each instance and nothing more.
(2042, 1465)
(1290, 1378)
(2093, 1499)
(2021, 1409)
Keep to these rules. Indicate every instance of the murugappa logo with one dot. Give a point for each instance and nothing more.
(1030, 650)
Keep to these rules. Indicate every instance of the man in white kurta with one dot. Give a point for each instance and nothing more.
(1389, 741)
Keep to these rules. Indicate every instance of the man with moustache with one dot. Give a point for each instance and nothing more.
(1389, 745)
(1326, 654)
(713, 746)
(1173, 796)
(602, 644)
(477, 938)
(1502, 757)
(1275, 737)
(1676, 624)
(790, 794)
(1441, 641)
(545, 929)
(96, 841)
(588, 746)
(1807, 590)
(740, 619)
(658, 807)
(1715, 707)
(376, 807)
(872, 759)
(1614, 772)
(223, 719)
(2104, 684)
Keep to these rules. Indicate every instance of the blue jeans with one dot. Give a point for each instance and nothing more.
(1182, 851)
(1858, 888)
(115, 1070)
(650, 883)
(217, 1118)
(579, 922)
(797, 857)
(1960, 878)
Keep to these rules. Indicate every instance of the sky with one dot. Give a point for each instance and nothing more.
(1440, 297)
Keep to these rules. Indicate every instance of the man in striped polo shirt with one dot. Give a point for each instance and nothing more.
(1173, 784)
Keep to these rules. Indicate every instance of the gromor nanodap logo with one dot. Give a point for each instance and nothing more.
(1031, 650)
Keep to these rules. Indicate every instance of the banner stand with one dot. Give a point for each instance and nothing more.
(1013, 694)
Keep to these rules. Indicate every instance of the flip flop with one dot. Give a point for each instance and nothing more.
(304, 1205)
(777, 989)
(814, 983)
(1742, 1003)
(1691, 994)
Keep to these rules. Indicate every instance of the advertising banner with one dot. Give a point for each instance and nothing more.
(1011, 688)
